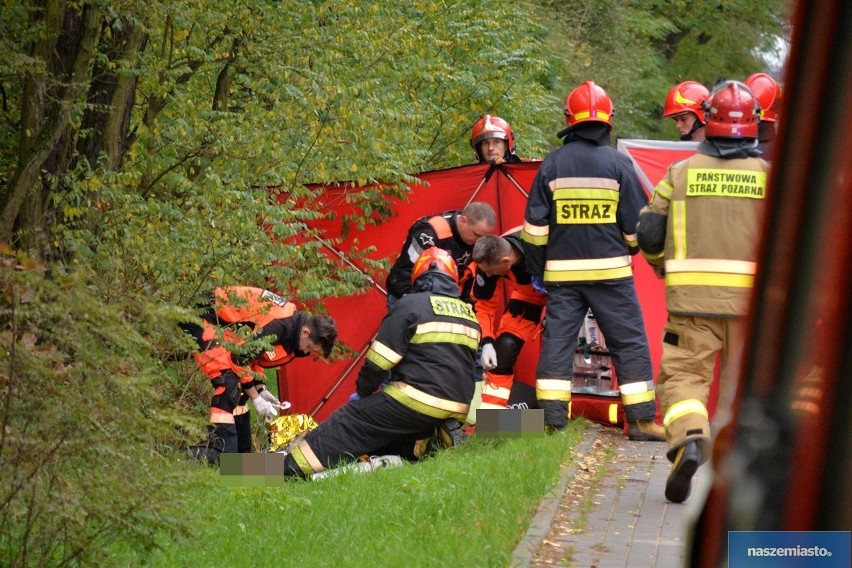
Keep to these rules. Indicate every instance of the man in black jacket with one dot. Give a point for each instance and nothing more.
(453, 231)
(427, 342)
(580, 232)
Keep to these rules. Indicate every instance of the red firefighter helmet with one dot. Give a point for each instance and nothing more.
(768, 94)
(491, 127)
(432, 260)
(588, 103)
(686, 97)
(732, 111)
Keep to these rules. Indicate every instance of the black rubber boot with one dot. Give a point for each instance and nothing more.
(686, 462)
(452, 433)
(221, 438)
(555, 415)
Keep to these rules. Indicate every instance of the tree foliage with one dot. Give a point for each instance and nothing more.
(82, 414)
(150, 151)
(154, 150)
(638, 50)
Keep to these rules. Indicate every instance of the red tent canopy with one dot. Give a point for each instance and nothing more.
(318, 389)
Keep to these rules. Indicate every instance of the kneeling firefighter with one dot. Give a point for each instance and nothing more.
(427, 341)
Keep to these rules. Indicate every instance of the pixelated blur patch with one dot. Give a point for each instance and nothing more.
(251, 470)
(510, 423)
(783, 549)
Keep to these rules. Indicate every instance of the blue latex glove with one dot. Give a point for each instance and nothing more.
(538, 285)
(354, 396)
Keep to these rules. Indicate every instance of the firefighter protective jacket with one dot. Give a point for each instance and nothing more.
(266, 315)
(436, 231)
(702, 227)
(581, 215)
(523, 296)
(428, 342)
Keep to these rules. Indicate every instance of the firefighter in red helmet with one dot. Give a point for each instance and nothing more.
(700, 232)
(684, 106)
(579, 236)
(767, 91)
(492, 140)
(427, 342)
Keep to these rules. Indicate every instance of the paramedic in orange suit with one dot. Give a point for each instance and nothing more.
(499, 262)
(237, 316)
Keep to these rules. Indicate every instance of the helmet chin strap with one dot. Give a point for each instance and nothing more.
(695, 126)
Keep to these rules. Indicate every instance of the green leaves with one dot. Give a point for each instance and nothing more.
(187, 160)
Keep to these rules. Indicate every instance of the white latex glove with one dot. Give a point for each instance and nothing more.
(265, 408)
(267, 396)
(488, 357)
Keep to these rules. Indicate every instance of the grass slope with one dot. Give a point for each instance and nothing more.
(467, 506)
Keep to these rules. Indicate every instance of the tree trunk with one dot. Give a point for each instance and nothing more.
(111, 97)
(37, 144)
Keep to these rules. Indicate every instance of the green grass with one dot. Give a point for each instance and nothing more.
(468, 506)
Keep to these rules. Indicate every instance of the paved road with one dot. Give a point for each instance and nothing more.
(608, 509)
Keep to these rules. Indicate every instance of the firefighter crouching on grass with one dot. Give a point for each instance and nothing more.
(427, 341)
(700, 232)
(267, 316)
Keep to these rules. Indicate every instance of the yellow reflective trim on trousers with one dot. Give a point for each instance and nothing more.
(425, 403)
(585, 275)
(638, 398)
(306, 460)
(683, 408)
(613, 414)
(563, 396)
(710, 279)
(553, 389)
(636, 387)
(679, 228)
(383, 356)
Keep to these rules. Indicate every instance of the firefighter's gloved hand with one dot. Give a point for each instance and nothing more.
(538, 285)
(489, 357)
(265, 408)
(267, 396)
(354, 396)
